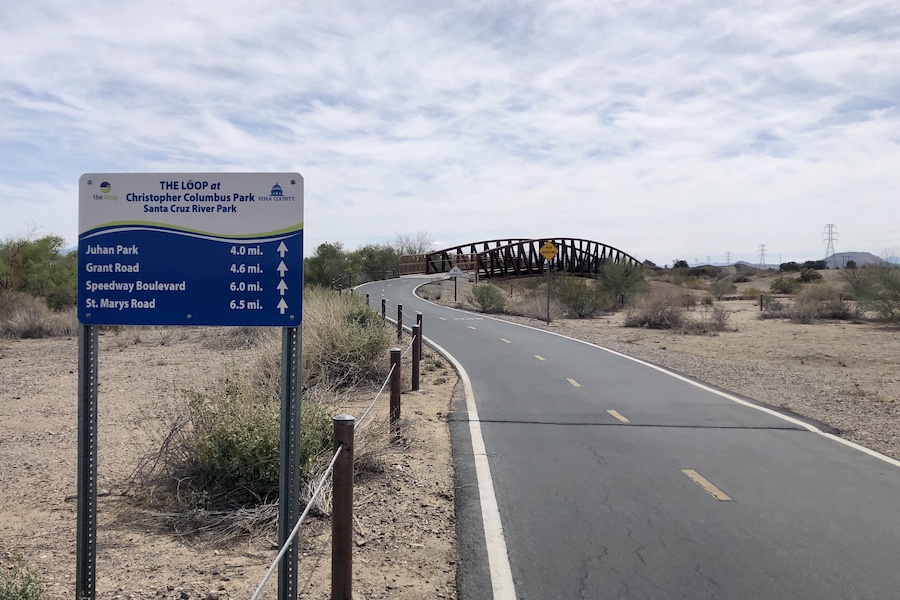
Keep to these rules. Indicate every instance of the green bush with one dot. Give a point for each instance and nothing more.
(877, 290)
(18, 582)
(618, 279)
(487, 298)
(785, 285)
(741, 278)
(39, 268)
(720, 287)
(810, 275)
(579, 297)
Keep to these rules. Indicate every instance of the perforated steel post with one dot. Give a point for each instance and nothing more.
(342, 510)
(289, 460)
(86, 517)
(399, 321)
(383, 310)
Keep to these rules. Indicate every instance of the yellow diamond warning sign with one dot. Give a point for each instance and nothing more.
(549, 250)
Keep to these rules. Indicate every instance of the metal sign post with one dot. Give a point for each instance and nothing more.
(219, 249)
(548, 251)
(455, 273)
(86, 529)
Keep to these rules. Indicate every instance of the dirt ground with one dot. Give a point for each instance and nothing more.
(404, 534)
(841, 373)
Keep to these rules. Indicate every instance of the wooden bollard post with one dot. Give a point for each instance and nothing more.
(421, 333)
(383, 310)
(342, 510)
(395, 394)
(399, 321)
(416, 356)
(760, 302)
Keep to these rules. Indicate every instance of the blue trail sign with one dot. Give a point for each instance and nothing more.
(190, 249)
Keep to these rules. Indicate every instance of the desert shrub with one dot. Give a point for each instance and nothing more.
(826, 301)
(487, 298)
(711, 318)
(810, 275)
(219, 448)
(18, 582)
(851, 264)
(660, 309)
(37, 266)
(741, 278)
(720, 287)
(579, 297)
(25, 316)
(751, 293)
(705, 272)
(877, 290)
(617, 279)
(680, 264)
(785, 285)
(344, 342)
(790, 266)
(534, 306)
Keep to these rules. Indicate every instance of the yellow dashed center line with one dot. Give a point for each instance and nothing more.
(573, 382)
(706, 485)
(539, 357)
(505, 341)
(618, 415)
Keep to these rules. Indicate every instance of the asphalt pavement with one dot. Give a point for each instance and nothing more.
(612, 478)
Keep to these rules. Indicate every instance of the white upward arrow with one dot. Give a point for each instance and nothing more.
(282, 249)
(282, 286)
(282, 306)
(282, 268)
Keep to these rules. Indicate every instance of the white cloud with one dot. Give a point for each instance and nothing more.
(668, 130)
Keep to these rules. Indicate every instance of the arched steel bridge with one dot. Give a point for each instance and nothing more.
(517, 257)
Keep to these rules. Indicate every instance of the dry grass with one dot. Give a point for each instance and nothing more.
(25, 317)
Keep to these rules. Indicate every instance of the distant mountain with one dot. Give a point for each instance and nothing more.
(839, 260)
(756, 265)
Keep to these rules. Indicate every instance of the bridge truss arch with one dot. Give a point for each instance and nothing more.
(518, 257)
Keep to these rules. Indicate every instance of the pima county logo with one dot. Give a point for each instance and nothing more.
(277, 195)
(106, 188)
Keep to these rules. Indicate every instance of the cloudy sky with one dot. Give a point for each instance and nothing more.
(666, 129)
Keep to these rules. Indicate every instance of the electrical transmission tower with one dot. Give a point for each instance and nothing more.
(829, 235)
(762, 256)
(728, 258)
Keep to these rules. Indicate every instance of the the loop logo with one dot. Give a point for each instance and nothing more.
(106, 188)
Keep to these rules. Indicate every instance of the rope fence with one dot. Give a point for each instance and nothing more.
(342, 499)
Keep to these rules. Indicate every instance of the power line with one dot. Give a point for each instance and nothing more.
(762, 256)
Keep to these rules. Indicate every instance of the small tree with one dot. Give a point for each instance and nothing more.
(616, 279)
(488, 298)
(420, 243)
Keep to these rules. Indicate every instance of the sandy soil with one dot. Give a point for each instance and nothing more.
(405, 536)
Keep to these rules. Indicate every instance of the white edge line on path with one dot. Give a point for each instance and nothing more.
(774, 413)
(498, 558)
